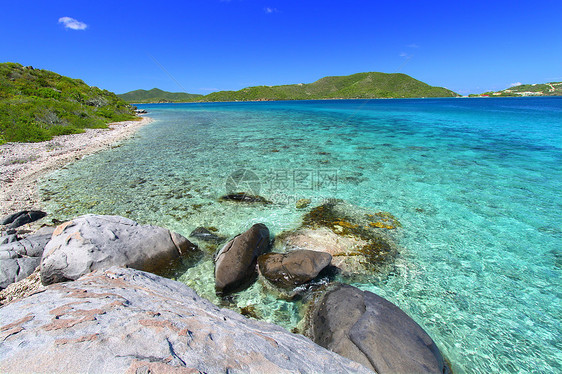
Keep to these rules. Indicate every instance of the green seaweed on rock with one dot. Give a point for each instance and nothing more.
(250, 312)
(383, 220)
(368, 229)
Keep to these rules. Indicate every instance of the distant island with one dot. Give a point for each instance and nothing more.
(371, 85)
(156, 95)
(36, 105)
(537, 89)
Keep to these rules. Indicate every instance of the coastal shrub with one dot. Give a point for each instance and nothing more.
(36, 105)
(64, 130)
(25, 132)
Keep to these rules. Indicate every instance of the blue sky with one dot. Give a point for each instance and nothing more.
(200, 46)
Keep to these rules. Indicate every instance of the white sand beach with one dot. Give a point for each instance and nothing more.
(22, 164)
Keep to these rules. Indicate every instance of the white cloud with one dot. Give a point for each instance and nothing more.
(516, 84)
(270, 10)
(404, 54)
(71, 23)
(413, 45)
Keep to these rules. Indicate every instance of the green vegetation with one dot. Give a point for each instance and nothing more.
(544, 89)
(36, 105)
(156, 95)
(356, 86)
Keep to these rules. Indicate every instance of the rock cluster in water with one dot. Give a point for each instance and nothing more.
(72, 326)
(360, 243)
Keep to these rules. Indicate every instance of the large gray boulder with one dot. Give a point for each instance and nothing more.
(93, 242)
(294, 268)
(372, 331)
(125, 320)
(21, 257)
(235, 264)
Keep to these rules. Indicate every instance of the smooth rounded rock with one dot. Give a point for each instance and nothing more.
(235, 263)
(372, 331)
(31, 246)
(293, 268)
(93, 242)
(361, 243)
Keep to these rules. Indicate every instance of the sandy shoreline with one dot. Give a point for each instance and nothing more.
(22, 164)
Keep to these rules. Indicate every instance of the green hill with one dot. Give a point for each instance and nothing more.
(356, 86)
(538, 89)
(37, 104)
(156, 95)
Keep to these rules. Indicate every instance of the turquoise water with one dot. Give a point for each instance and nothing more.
(475, 183)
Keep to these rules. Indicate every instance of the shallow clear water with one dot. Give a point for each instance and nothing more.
(475, 183)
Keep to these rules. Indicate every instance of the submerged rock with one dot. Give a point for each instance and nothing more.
(302, 203)
(359, 242)
(125, 320)
(207, 240)
(293, 268)
(346, 218)
(202, 233)
(345, 251)
(21, 218)
(94, 242)
(374, 332)
(235, 264)
(243, 197)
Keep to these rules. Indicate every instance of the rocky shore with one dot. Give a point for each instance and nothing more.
(103, 308)
(22, 164)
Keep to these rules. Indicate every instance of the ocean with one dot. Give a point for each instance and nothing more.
(475, 183)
